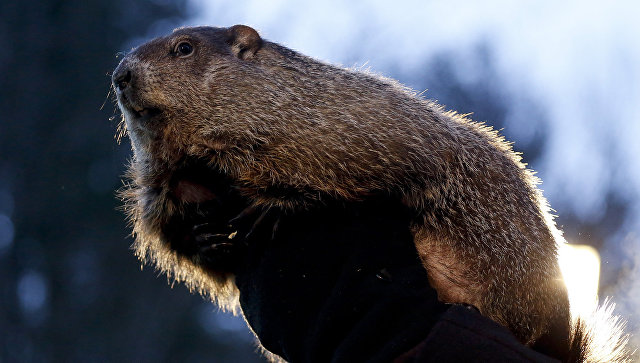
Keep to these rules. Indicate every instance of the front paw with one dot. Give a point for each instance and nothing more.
(207, 234)
(217, 251)
(257, 222)
(200, 233)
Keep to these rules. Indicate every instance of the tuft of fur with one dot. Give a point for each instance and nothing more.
(599, 337)
(292, 131)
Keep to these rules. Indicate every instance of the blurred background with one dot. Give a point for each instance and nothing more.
(561, 79)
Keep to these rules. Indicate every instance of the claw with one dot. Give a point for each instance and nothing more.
(275, 228)
(245, 213)
(216, 246)
(200, 226)
(243, 222)
(206, 237)
(257, 223)
(223, 256)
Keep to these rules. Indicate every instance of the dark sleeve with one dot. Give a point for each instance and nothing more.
(463, 335)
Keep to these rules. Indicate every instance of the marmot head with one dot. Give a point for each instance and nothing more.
(171, 90)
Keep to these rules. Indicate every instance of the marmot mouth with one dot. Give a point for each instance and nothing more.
(137, 111)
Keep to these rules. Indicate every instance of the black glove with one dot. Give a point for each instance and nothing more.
(341, 283)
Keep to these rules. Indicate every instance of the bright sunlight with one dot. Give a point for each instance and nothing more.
(580, 266)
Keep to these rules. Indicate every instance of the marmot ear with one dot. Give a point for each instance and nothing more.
(244, 41)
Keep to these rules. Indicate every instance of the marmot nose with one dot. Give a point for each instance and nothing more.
(122, 78)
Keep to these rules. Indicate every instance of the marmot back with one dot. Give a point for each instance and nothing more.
(290, 132)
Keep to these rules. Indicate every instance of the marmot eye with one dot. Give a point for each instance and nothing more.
(184, 48)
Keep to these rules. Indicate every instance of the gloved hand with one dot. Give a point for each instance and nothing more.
(341, 282)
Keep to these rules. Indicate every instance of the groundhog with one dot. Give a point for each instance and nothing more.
(213, 109)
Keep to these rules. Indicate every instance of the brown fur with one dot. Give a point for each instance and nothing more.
(272, 118)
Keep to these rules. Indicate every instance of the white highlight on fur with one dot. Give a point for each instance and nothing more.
(580, 266)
